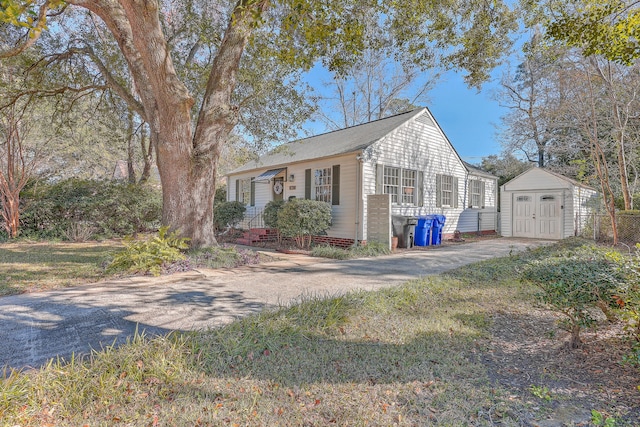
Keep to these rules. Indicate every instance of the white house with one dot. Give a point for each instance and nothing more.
(543, 204)
(406, 156)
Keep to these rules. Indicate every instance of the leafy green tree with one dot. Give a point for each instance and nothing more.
(274, 41)
(608, 28)
(505, 167)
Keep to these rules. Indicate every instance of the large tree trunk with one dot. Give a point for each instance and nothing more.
(187, 159)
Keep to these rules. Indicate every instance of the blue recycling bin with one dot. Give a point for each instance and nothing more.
(423, 230)
(436, 231)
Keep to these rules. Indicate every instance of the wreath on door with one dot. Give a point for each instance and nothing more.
(278, 187)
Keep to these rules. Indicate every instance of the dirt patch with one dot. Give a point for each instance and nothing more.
(554, 385)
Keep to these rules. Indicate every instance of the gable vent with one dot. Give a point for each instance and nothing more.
(425, 120)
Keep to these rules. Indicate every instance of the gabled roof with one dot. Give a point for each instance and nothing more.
(477, 171)
(536, 169)
(343, 141)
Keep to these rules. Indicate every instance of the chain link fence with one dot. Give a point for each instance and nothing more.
(598, 227)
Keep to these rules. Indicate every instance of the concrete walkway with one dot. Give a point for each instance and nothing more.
(37, 327)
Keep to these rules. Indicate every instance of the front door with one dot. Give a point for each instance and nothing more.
(278, 189)
(537, 215)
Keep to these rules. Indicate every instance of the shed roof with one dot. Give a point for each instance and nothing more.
(342, 141)
(514, 183)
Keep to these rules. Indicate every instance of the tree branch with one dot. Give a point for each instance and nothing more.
(112, 82)
(32, 35)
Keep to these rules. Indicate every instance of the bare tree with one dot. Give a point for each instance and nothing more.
(375, 87)
(534, 96)
(622, 89)
(587, 109)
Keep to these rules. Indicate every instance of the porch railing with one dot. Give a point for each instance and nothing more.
(252, 219)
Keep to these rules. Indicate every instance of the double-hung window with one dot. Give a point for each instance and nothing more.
(409, 186)
(446, 191)
(403, 185)
(391, 182)
(323, 185)
(476, 193)
(245, 191)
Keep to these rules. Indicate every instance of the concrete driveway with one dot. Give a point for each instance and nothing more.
(37, 327)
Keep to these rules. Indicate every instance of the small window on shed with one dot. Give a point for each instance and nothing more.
(523, 199)
(547, 198)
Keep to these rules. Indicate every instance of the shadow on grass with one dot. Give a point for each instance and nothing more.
(25, 266)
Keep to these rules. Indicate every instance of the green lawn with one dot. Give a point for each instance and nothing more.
(28, 266)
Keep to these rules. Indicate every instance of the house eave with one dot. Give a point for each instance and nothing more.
(297, 162)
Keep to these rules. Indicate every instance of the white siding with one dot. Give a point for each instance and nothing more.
(422, 146)
(567, 212)
(582, 207)
(506, 213)
(480, 219)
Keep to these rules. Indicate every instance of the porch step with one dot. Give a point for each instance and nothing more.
(257, 235)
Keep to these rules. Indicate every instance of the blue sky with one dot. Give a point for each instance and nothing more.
(469, 118)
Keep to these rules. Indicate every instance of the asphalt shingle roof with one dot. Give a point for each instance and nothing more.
(343, 141)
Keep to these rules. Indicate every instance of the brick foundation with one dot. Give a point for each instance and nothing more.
(335, 241)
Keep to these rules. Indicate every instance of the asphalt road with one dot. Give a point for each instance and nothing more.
(37, 327)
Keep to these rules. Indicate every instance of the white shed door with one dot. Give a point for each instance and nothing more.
(524, 208)
(537, 215)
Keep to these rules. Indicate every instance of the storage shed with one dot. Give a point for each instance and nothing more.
(543, 204)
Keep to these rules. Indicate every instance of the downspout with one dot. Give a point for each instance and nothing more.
(358, 195)
(465, 197)
(496, 203)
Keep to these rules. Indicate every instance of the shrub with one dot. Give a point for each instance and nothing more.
(148, 256)
(628, 297)
(301, 219)
(105, 208)
(220, 195)
(228, 214)
(573, 283)
(128, 209)
(270, 213)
